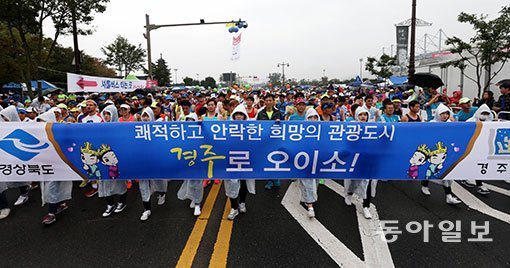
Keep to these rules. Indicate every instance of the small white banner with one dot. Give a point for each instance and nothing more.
(85, 83)
(236, 47)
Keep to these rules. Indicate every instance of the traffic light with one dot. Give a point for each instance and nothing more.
(242, 24)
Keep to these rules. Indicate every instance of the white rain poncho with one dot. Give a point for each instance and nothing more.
(148, 111)
(112, 111)
(3, 187)
(233, 186)
(308, 187)
(312, 112)
(53, 192)
(442, 109)
(478, 117)
(148, 187)
(192, 190)
(11, 114)
(192, 116)
(109, 187)
(48, 116)
(437, 118)
(359, 187)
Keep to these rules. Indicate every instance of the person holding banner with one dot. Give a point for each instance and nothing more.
(54, 193)
(4, 204)
(112, 186)
(483, 114)
(192, 189)
(308, 187)
(148, 187)
(269, 113)
(211, 115)
(236, 189)
(11, 114)
(365, 189)
(91, 115)
(436, 158)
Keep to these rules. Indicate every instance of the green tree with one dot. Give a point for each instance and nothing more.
(161, 72)
(188, 81)
(275, 79)
(125, 57)
(489, 45)
(25, 20)
(208, 82)
(324, 80)
(381, 67)
(55, 69)
(60, 63)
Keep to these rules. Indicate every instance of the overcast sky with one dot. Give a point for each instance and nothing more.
(312, 36)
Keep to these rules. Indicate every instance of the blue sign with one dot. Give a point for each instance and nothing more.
(263, 149)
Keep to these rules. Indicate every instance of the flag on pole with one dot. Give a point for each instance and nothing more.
(236, 47)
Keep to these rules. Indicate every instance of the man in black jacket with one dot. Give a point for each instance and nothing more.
(269, 113)
(503, 103)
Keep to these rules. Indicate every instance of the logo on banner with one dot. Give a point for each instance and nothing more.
(22, 145)
(500, 145)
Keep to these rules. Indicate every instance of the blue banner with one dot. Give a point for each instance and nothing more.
(262, 149)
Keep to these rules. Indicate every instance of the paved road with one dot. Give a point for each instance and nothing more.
(274, 233)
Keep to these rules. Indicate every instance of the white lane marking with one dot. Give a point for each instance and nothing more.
(375, 248)
(342, 255)
(471, 201)
(497, 189)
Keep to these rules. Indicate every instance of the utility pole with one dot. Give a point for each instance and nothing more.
(412, 68)
(283, 64)
(176, 75)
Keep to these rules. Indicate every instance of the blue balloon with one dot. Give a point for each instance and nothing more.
(233, 30)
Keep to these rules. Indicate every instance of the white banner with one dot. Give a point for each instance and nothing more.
(85, 83)
(236, 47)
(489, 157)
(30, 153)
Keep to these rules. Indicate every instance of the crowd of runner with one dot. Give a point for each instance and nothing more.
(191, 104)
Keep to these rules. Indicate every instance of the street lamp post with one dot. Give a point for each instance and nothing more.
(283, 64)
(149, 27)
(361, 68)
(147, 36)
(176, 75)
(412, 68)
(198, 78)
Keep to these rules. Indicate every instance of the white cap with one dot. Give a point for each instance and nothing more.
(125, 106)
